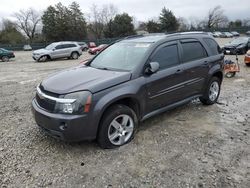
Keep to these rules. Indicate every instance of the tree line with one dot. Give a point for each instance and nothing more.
(60, 22)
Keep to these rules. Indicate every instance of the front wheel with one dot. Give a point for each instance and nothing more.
(43, 58)
(117, 127)
(212, 92)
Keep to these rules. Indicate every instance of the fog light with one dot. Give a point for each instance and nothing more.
(63, 126)
(67, 108)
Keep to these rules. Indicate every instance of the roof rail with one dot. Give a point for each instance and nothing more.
(133, 36)
(154, 34)
(186, 33)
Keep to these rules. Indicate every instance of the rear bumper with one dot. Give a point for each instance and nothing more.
(72, 128)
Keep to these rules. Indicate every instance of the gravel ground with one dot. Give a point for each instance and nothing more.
(191, 146)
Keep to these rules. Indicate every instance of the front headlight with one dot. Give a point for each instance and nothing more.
(74, 103)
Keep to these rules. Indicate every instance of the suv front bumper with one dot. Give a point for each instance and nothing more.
(72, 128)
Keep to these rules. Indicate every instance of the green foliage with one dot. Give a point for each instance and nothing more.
(64, 23)
(153, 27)
(10, 34)
(235, 24)
(168, 21)
(120, 26)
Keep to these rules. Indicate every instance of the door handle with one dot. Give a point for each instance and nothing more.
(205, 63)
(178, 71)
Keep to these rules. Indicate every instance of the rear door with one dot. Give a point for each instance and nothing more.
(195, 61)
(166, 86)
(60, 51)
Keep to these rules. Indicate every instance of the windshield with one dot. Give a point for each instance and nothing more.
(121, 56)
(50, 47)
(240, 40)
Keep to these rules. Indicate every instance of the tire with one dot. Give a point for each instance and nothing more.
(230, 74)
(74, 55)
(43, 58)
(113, 131)
(212, 92)
(5, 58)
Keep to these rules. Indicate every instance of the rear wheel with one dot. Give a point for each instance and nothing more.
(5, 58)
(117, 127)
(74, 55)
(212, 92)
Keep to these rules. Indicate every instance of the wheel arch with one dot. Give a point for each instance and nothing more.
(75, 52)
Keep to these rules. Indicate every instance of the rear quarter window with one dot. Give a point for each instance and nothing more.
(193, 51)
(213, 46)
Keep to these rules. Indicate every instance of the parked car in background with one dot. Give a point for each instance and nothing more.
(130, 81)
(5, 55)
(223, 35)
(248, 33)
(97, 49)
(228, 35)
(235, 34)
(83, 45)
(92, 45)
(58, 50)
(247, 58)
(27, 47)
(239, 45)
(217, 34)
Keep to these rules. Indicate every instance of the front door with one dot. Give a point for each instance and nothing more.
(167, 85)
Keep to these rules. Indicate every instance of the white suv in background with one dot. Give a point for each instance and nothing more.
(58, 50)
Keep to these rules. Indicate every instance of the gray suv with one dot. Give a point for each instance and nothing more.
(58, 50)
(128, 82)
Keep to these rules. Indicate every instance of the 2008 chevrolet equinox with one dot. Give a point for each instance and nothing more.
(130, 81)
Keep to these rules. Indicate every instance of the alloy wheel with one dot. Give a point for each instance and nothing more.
(121, 129)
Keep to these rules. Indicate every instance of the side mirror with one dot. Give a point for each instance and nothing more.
(152, 68)
(53, 49)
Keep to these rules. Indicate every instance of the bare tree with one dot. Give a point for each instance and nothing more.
(100, 17)
(27, 21)
(183, 24)
(216, 17)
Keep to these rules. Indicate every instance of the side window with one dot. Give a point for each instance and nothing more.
(58, 47)
(166, 56)
(71, 46)
(193, 51)
(214, 47)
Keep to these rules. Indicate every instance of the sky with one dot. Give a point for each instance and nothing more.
(141, 9)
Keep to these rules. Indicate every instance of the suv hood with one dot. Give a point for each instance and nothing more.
(40, 51)
(83, 78)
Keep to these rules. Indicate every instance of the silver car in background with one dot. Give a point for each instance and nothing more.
(58, 50)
